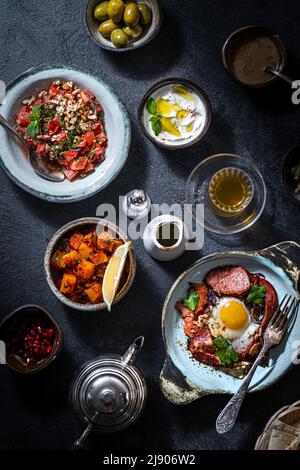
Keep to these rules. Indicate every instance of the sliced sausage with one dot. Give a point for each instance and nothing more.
(184, 311)
(202, 292)
(203, 348)
(271, 303)
(190, 327)
(202, 342)
(229, 280)
(207, 358)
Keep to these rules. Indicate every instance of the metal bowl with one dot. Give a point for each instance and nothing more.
(79, 223)
(149, 33)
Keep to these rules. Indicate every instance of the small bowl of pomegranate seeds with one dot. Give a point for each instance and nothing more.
(32, 338)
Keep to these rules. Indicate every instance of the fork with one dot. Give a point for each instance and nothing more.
(273, 335)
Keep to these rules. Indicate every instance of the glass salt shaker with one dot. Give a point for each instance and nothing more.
(136, 204)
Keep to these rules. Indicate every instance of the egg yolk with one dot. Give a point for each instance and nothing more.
(234, 315)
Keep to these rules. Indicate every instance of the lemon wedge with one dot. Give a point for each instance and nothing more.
(113, 274)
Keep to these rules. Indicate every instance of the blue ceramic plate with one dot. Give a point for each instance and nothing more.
(184, 379)
(116, 122)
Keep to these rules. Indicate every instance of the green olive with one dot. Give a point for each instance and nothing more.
(119, 38)
(100, 12)
(133, 32)
(115, 10)
(131, 14)
(107, 27)
(146, 13)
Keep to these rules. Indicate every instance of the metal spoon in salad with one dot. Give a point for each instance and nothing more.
(36, 162)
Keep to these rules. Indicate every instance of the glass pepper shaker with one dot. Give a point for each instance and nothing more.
(136, 204)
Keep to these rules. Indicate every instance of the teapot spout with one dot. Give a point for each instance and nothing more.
(133, 350)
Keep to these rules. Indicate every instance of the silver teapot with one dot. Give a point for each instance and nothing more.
(109, 393)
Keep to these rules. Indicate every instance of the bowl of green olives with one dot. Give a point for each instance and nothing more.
(122, 25)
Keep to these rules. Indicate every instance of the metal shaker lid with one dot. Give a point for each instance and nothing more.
(109, 393)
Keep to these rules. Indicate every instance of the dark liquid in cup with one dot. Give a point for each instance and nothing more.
(167, 234)
(250, 53)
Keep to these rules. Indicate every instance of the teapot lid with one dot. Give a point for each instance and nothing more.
(109, 393)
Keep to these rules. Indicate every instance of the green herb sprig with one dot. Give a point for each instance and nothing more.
(191, 300)
(35, 118)
(155, 118)
(225, 351)
(257, 294)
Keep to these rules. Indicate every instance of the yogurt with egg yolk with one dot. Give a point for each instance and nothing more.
(182, 114)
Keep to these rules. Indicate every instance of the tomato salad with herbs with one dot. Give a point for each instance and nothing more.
(64, 126)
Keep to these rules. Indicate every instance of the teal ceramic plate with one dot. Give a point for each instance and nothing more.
(117, 126)
(183, 379)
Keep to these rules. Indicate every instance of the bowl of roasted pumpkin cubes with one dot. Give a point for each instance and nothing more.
(90, 264)
(122, 25)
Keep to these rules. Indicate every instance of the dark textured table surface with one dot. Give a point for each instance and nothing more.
(262, 125)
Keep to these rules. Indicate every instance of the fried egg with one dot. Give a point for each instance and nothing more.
(231, 319)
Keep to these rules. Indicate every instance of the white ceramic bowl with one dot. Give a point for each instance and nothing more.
(117, 125)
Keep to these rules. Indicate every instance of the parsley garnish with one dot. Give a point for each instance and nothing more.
(191, 299)
(50, 113)
(35, 118)
(225, 351)
(70, 140)
(257, 294)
